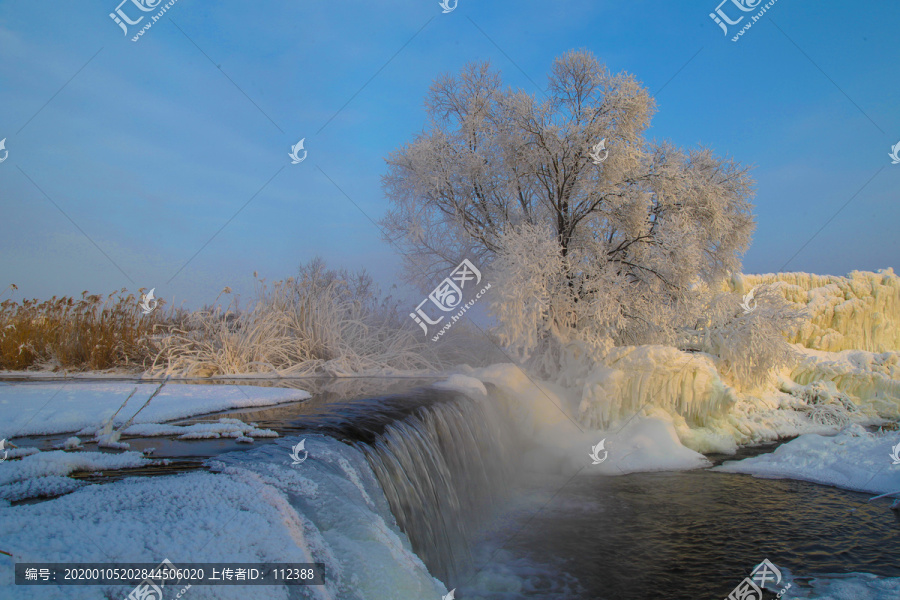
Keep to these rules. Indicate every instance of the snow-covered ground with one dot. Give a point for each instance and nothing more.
(88, 409)
(257, 508)
(72, 406)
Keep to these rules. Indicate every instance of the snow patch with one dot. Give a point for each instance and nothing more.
(646, 444)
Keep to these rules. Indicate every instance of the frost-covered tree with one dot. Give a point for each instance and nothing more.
(592, 231)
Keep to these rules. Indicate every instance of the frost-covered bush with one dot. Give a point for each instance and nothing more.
(539, 313)
(325, 321)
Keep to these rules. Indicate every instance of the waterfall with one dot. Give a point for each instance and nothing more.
(442, 468)
(393, 486)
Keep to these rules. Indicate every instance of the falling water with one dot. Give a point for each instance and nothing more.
(442, 468)
(442, 459)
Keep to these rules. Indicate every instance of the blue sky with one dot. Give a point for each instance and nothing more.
(151, 147)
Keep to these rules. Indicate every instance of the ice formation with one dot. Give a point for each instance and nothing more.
(860, 311)
(557, 443)
(869, 379)
(661, 376)
(847, 370)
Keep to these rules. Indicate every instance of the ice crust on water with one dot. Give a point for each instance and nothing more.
(43, 473)
(72, 406)
(233, 428)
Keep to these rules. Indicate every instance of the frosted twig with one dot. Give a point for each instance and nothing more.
(152, 396)
(106, 429)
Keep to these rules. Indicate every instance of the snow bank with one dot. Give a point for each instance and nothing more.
(637, 376)
(853, 459)
(258, 508)
(646, 444)
(859, 311)
(60, 407)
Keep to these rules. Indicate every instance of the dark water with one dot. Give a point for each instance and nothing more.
(688, 535)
